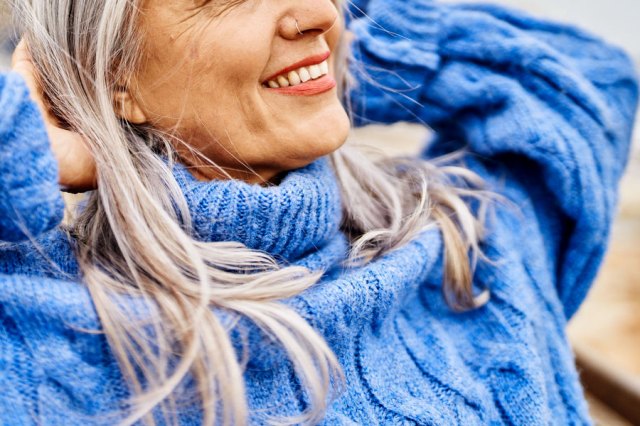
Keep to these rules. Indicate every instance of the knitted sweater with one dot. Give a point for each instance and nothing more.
(545, 113)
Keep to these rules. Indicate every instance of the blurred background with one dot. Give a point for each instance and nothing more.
(6, 40)
(606, 331)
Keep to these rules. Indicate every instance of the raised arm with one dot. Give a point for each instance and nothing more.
(30, 200)
(551, 103)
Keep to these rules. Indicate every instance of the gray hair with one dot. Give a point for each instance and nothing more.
(132, 241)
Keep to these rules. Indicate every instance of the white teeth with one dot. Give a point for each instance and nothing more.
(314, 70)
(294, 78)
(304, 75)
(299, 76)
(282, 81)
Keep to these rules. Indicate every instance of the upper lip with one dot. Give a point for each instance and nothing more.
(311, 60)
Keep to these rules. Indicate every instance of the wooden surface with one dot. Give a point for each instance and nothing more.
(608, 384)
(604, 415)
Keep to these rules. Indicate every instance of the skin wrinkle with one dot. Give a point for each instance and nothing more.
(201, 80)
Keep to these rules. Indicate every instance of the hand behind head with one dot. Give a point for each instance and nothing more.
(77, 168)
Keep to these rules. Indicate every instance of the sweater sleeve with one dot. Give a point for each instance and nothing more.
(30, 199)
(551, 103)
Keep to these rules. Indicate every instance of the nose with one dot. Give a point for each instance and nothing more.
(308, 17)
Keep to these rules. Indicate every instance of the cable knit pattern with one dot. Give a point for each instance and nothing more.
(545, 112)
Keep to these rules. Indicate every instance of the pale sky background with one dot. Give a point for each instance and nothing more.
(616, 20)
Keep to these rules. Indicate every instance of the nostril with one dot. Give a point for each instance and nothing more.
(295, 27)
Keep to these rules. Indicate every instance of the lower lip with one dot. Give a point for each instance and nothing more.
(310, 88)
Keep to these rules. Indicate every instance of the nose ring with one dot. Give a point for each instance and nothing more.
(298, 28)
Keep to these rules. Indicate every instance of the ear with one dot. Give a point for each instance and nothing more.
(127, 107)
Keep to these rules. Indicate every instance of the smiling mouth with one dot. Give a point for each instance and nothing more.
(301, 73)
(299, 76)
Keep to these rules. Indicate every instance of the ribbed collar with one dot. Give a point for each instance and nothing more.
(296, 218)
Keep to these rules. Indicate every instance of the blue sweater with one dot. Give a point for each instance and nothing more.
(545, 112)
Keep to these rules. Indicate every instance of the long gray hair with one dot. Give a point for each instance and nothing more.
(132, 239)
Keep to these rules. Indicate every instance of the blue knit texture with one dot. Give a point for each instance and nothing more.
(545, 113)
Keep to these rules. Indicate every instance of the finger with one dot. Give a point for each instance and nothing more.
(20, 53)
(77, 167)
(22, 64)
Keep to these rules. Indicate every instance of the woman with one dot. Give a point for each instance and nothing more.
(222, 270)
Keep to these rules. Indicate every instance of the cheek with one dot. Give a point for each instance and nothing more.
(228, 64)
(334, 35)
(226, 67)
(201, 85)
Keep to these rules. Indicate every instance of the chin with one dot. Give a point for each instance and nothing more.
(322, 141)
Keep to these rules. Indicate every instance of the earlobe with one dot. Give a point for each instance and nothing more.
(128, 108)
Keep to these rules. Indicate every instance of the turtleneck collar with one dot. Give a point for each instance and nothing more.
(292, 220)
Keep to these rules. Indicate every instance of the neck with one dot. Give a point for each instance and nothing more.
(254, 175)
